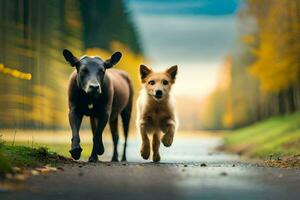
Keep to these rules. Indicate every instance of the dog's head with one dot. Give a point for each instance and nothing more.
(158, 84)
(91, 70)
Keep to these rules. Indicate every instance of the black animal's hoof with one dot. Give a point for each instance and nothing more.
(100, 151)
(76, 153)
(124, 159)
(93, 159)
(114, 159)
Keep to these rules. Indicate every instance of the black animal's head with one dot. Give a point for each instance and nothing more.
(91, 70)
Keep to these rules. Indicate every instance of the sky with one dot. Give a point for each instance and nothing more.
(194, 34)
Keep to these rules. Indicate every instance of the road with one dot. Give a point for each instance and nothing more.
(190, 169)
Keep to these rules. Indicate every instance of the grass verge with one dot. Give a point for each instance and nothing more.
(26, 157)
(277, 140)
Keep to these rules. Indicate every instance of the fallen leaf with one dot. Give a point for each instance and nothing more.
(20, 177)
(35, 172)
(17, 169)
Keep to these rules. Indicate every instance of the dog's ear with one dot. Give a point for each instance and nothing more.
(144, 72)
(172, 71)
(70, 58)
(114, 59)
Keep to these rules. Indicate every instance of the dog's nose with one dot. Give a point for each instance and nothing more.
(158, 93)
(94, 87)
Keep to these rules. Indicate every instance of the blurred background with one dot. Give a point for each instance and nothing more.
(239, 60)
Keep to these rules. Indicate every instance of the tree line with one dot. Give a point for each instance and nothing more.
(33, 34)
(261, 76)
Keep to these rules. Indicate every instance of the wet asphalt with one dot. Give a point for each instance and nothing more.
(190, 170)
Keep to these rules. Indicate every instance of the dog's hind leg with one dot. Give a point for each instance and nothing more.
(155, 147)
(126, 114)
(115, 136)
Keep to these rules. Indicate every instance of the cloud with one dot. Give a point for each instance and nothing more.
(198, 43)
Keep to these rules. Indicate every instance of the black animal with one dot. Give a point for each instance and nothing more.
(101, 93)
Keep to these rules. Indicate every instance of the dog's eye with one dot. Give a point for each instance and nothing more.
(165, 82)
(151, 82)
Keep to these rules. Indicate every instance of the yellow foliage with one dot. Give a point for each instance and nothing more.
(228, 117)
(14, 73)
(224, 79)
(277, 65)
(248, 39)
(45, 104)
(129, 62)
(264, 78)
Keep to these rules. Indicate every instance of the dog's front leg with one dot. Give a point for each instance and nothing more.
(155, 146)
(75, 119)
(145, 149)
(168, 127)
(98, 147)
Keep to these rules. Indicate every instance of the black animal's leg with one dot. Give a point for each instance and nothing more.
(75, 120)
(115, 136)
(97, 138)
(125, 114)
(94, 123)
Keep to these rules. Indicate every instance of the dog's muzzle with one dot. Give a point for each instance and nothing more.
(158, 94)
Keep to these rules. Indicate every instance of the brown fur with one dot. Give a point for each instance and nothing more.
(156, 115)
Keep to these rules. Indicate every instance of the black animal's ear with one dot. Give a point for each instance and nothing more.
(172, 71)
(70, 58)
(114, 59)
(144, 72)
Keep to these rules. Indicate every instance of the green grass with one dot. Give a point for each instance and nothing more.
(277, 136)
(5, 166)
(22, 156)
(55, 141)
(60, 148)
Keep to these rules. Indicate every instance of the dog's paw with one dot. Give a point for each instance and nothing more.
(76, 152)
(93, 158)
(167, 140)
(145, 152)
(156, 157)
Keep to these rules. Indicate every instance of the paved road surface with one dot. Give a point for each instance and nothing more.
(180, 175)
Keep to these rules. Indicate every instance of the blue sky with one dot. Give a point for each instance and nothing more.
(185, 7)
(194, 34)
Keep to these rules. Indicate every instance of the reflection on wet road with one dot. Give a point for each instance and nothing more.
(184, 150)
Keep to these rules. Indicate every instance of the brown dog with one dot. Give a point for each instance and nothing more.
(101, 93)
(156, 110)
